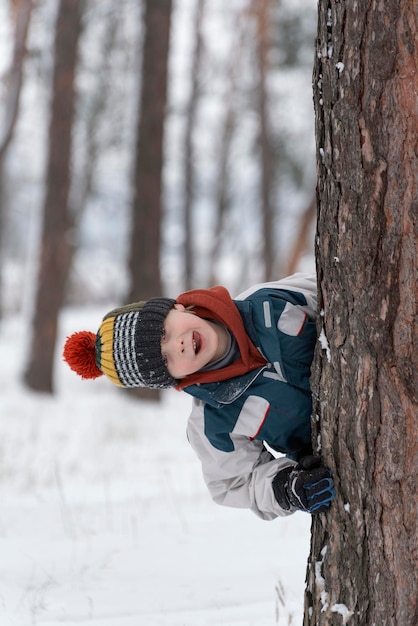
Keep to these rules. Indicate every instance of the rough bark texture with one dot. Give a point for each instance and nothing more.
(363, 566)
(54, 246)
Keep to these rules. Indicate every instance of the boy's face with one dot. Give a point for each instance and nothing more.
(190, 342)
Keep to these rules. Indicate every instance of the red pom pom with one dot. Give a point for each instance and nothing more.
(80, 354)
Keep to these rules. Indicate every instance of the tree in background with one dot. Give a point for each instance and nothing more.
(189, 156)
(54, 245)
(144, 260)
(262, 11)
(147, 201)
(22, 13)
(363, 567)
(227, 131)
(92, 104)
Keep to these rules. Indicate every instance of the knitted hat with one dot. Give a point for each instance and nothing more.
(126, 348)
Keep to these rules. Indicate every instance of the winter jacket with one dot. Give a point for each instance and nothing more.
(232, 419)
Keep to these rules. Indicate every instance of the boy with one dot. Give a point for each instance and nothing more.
(246, 362)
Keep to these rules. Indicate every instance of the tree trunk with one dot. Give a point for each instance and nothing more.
(222, 189)
(228, 128)
(15, 75)
(22, 15)
(144, 260)
(363, 567)
(54, 245)
(189, 156)
(82, 183)
(262, 12)
(147, 202)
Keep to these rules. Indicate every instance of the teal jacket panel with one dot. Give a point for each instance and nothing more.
(273, 403)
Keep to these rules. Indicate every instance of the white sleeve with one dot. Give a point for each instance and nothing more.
(301, 283)
(241, 478)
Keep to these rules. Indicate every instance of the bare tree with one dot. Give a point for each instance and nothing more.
(83, 181)
(22, 15)
(222, 189)
(363, 567)
(15, 75)
(228, 129)
(54, 245)
(144, 259)
(262, 11)
(189, 173)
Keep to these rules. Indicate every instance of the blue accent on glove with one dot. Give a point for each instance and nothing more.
(323, 494)
(308, 486)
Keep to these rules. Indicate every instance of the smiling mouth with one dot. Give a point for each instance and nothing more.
(196, 342)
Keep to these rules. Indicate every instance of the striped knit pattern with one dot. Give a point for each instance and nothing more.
(124, 350)
(128, 345)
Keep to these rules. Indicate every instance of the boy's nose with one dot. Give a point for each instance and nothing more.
(175, 345)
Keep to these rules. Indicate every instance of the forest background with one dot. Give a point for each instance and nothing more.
(238, 170)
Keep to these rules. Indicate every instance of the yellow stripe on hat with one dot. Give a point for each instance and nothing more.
(107, 362)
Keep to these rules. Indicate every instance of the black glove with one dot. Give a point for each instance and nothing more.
(307, 486)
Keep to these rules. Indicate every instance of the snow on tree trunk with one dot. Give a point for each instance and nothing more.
(363, 566)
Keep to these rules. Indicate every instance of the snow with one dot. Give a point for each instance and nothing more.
(105, 520)
(324, 344)
(342, 610)
(320, 580)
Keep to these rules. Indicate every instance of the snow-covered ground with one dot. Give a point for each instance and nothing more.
(105, 520)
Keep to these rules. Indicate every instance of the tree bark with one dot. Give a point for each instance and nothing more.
(54, 245)
(363, 566)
